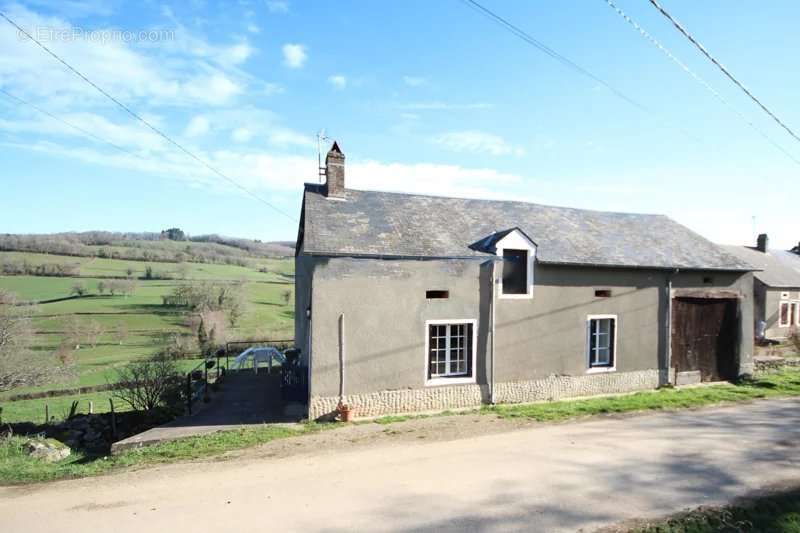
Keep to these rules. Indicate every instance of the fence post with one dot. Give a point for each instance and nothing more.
(91, 407)
(113, 419)
(46, 413)
(189, 393)
(206, 398)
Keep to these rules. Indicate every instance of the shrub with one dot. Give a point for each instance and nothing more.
(150, 384)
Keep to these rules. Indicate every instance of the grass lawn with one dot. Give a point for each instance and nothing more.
(772, 513)
(33, 410)
(784, 383)
(267, 313)
(17, 467)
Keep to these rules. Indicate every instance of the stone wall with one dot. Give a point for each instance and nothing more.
(562, 387)
(464, 396)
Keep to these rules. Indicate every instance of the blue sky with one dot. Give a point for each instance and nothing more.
(424, 97)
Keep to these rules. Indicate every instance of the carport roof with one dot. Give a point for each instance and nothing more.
(383, 224)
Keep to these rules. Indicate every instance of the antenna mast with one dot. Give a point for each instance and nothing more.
(321, 171)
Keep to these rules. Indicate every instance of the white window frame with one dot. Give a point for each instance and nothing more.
(473, 356)
(599, 369)
(516, 240)
(789, 304)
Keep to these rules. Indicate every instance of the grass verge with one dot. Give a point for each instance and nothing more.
(780, 384)
(773, 513)
(17, 467)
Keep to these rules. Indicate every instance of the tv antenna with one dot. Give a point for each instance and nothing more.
(321, 171)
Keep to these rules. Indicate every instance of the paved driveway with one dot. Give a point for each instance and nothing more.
(547, 478)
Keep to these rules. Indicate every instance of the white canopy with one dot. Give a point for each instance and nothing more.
(258, 355)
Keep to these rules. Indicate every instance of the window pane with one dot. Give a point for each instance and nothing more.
(450, 350)
(601, 342)
(784, 321)
(515, 272)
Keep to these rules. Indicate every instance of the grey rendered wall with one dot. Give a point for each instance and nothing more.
(303, 275)
(547, 334)
(537, 340)
(385, 312)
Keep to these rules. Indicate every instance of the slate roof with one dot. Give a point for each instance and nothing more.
(778, 268)
(403, 225)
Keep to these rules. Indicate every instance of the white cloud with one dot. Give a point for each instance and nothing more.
(477, 141)
(278, 6)
(414, 81)
(445, 106)
(273, 88)
(338, 81)
(197, 127)
(239, 53)
(294, 55)
(242, 135)
(166, 72)
(253, 28)
(433, 179)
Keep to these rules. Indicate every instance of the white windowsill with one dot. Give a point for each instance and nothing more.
(601, 369)
(436, 382)
(502, 296)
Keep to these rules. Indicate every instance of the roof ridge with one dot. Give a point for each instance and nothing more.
(496, 201)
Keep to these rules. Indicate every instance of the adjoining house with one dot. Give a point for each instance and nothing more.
(414, 303)
(776, 291)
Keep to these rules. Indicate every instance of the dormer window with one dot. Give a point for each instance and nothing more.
(516, 269)
(515, 272)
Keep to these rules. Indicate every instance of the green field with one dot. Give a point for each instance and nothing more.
(267, 315)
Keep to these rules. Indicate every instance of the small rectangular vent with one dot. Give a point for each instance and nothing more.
(436, 295)
(602, 293)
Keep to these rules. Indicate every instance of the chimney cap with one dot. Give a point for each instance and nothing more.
(335, 149)
(762, 243)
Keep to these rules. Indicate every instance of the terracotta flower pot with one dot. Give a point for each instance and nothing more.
(346, 413)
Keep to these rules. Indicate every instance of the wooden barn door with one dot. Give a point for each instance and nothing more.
(705, 337)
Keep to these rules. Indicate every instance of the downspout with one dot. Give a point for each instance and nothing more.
(669, 323)
(491, 332)
(341, 359)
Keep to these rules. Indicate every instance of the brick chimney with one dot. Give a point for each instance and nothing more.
(334, 172)
(762, 245)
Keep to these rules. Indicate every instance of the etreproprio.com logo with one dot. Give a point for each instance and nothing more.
(50, 34)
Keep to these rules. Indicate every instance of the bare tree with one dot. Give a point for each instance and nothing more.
(101, 287)
(78, 289)
(150, 383)
(287, 296)
(74, 329)
(120, 332)
(19, 365)
(94, 330)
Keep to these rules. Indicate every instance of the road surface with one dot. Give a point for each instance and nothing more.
(555, 477)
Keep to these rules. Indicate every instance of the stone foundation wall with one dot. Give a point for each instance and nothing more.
(562, 387)
(390, 402)
(464, 396)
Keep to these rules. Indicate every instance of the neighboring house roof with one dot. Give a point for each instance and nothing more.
(778, 268)
(404, 225)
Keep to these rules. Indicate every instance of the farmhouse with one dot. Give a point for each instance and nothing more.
(776, 290)
(415, 303)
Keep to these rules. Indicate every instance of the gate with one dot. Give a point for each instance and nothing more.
(705, 335)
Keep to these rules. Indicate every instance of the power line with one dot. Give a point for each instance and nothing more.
(528, 38)
(145, 122)
(71, 125)
(730, 76)
(697, 78)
